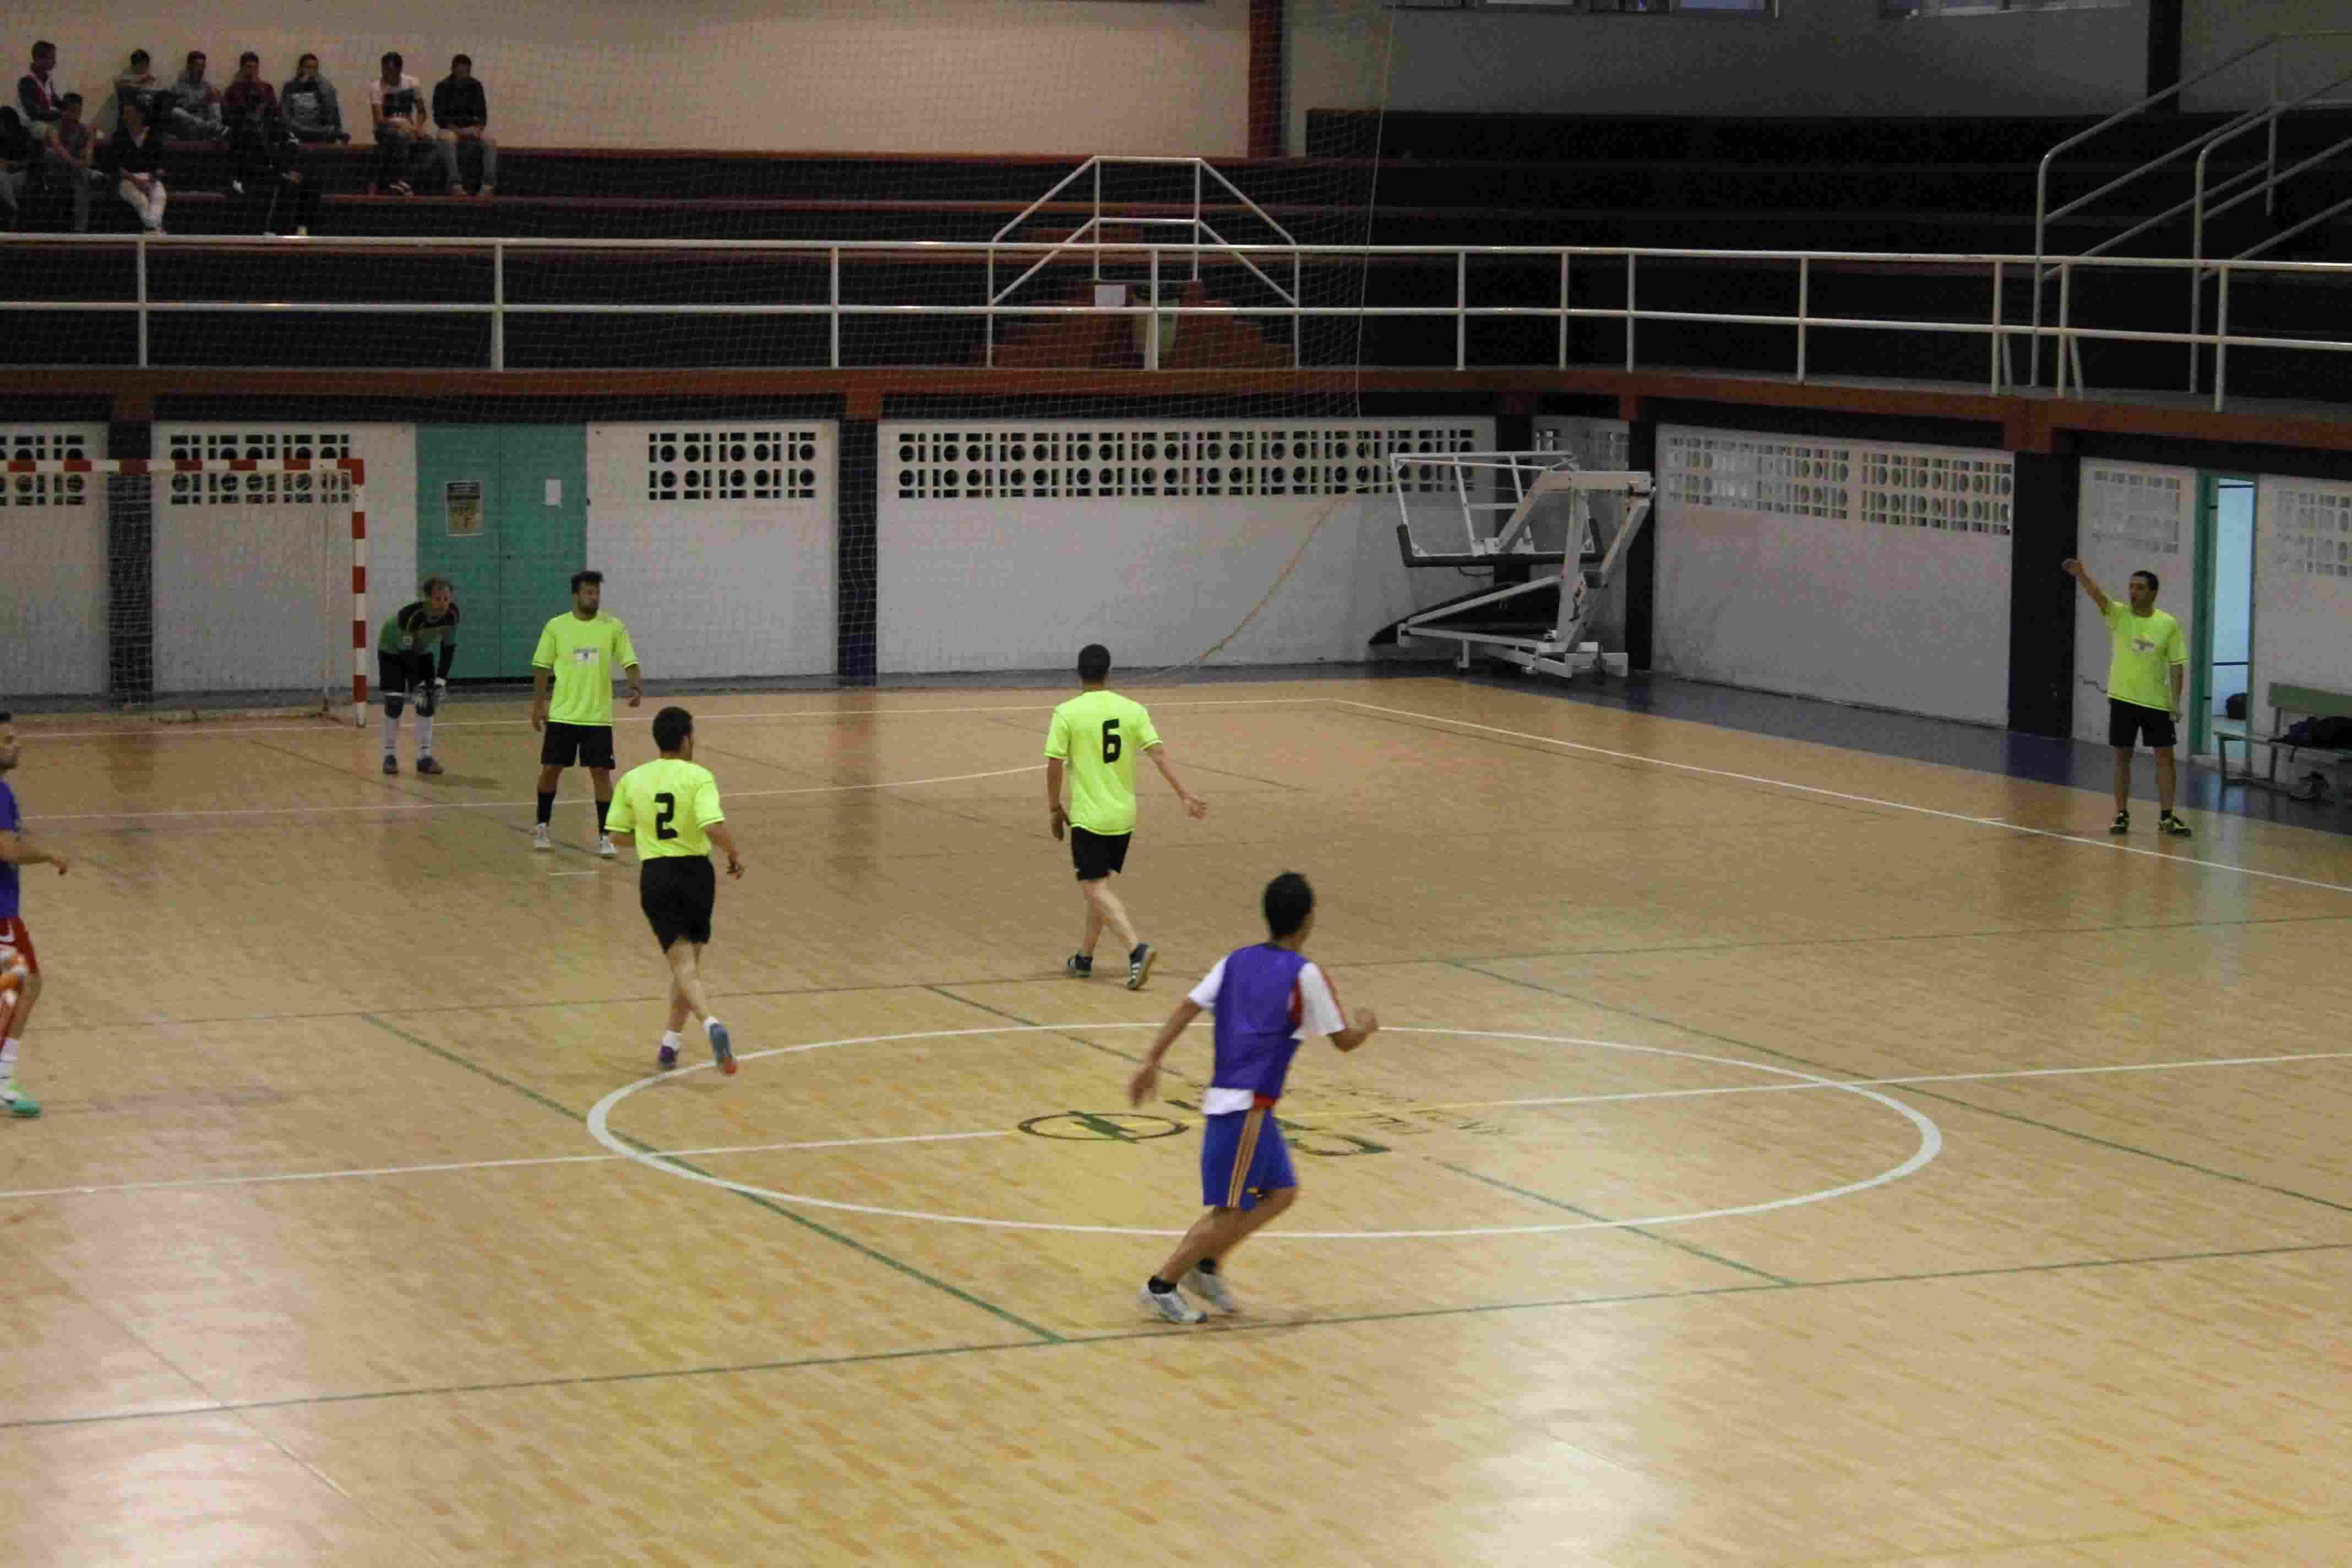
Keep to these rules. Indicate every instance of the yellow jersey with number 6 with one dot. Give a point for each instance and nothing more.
(1099, 734)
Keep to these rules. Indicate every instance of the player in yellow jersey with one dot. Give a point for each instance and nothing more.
(2144, 682)
(579, 650)
(1093, 739)
(671, 805)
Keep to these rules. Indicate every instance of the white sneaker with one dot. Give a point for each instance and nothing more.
(1171, 1306)
(1210, 1287)
(539, 839)
(604, 846)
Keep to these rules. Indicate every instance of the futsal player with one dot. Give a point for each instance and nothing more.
(404, 666)
(1267, 999)
(1094, 738)
(671, 805)
(2144, 682)
(579, 650)
(20, 967)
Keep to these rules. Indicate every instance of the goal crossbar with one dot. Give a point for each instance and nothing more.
(354, 468)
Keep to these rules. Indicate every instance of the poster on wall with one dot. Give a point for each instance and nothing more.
(462, 502)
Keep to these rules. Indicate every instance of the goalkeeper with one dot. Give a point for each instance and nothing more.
(405, 667)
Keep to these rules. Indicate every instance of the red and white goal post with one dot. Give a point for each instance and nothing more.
(353, 468)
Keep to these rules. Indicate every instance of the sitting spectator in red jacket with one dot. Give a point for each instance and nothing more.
(248, 98)
(37, 91)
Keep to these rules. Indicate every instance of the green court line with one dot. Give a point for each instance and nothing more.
(1938, 1095)
(1603, 1219)
(909, 1269)
(1225, 1326)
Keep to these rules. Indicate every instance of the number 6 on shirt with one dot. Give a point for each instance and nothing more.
(1111, 740)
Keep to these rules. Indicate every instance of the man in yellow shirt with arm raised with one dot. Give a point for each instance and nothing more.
(671, 805)
(1093, 739)
(579, 650)
(2144, 682)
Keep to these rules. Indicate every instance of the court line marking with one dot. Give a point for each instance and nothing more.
(1837, 794)
(1216, 1326)
(509, 805)
(198, 1182)
(310, 725)
(1538, 1102)
(1931, 1143)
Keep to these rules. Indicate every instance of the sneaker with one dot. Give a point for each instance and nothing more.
(2122, 824)
(722, 1051)
(1210, 1287)
(1079, 967)
(426, 764)
(302, 234)
(539, 839)
(667, 1056)
(2171, 826)
(1138, 965)
(391, 764)
(1170, 1305)
(19, 1103)
(605, 846)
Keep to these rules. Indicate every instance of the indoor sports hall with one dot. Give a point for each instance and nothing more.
(1617, 541)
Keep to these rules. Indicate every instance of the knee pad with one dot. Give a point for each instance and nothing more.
(428, 699)
(391, 705)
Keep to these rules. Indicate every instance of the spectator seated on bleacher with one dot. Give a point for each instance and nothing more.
(17, 152)
(195, 113)
(134, 156)
(249, 98)
(139, 83)
(289, 187)
(462, 111)
(309, 100)
(70, 157)
(36, 93)
(396, 106)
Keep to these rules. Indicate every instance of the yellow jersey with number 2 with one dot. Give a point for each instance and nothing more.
(667, 803)
(1099, 734)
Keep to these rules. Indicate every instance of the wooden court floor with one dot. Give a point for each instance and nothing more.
(1775, 1155)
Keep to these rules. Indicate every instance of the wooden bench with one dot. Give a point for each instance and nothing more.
(2288, 703)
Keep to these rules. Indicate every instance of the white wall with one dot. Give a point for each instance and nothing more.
(986, 579)
(255, 595)
(2303, 587)
(2213, 30)
(52, 566)
(947, 76)
(1818, 57)
(2136, 517)
(723, 585)
(1856, 571)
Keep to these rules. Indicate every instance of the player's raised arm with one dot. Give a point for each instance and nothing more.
(2081, 574)
(1193, 804)
(1146, 1078)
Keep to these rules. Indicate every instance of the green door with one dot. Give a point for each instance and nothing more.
(502, 512)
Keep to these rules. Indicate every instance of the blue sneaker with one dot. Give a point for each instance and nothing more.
(668, 1057)
(722, 1051)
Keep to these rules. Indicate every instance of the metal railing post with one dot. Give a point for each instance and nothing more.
(1804, 310)
(834, 316)
(1999, 339)
(2222, 340)
(1563, 309)
(2065, 318)
(988, 332)
(1632, 260)
(143, 300)
(1197, 165)
(499, 305)
(1097, 219)
(1151, 321)
(1297, 321)
(1460, 310)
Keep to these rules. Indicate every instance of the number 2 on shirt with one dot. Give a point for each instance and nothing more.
(668, 814)
(1111, 740)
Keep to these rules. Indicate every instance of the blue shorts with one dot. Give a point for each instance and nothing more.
(1242, 1158)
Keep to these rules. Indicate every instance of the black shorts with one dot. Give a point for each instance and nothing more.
(397, 674)
(677, 893)
(1098, 855)
(2128, 722)
(590, 745)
